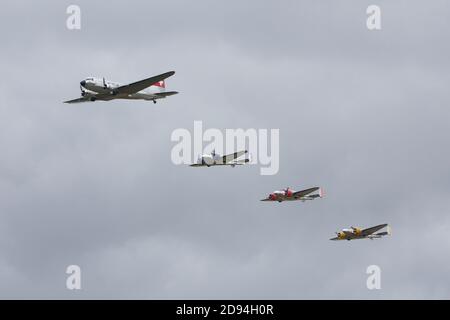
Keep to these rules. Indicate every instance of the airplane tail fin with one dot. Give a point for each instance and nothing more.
(321, 193)
(384, 233)
(160, 85)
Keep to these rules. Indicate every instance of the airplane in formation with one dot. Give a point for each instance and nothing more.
(357, 233)
(154, 88)
(289, 195)
(215, 159)
(150, 89)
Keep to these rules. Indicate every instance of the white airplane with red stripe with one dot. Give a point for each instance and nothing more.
(290, 195)
(150, 89)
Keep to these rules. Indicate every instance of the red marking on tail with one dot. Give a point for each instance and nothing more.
(160, 84)
(321, 193)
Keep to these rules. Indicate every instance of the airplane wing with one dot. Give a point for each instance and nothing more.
(237, 163)
(165, 94)
(305, 192)
(79, 100)
(141, 85)
(99, 96)
(371, 230)
(233, 156)
(336, 238)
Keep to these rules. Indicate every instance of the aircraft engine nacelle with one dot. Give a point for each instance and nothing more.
(208, 160)
(341, 235)
(356, 231)
(272, 196)
(288, 193)
(87, 94)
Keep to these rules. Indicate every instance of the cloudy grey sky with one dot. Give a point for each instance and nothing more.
(365, 114)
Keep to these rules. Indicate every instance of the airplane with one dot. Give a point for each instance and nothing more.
(357, 233)
(288, 195)
(215, 159)
(150, 89)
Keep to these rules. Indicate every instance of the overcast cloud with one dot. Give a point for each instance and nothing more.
(365, 114)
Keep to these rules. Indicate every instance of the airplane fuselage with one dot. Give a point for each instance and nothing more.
(210, 160)
(357, 233)
(153, 88)
(357, 237)
(215, 159)
(95, 86)
(281, 196)
(290, 195)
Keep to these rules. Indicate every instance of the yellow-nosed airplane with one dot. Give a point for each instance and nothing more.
(357, 233)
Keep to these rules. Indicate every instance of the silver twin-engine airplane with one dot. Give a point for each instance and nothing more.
(214, 159)
(288, 195)
(150, 89)
(357, 233)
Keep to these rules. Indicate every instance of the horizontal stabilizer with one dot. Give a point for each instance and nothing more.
(165, 94)
(79, 100)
